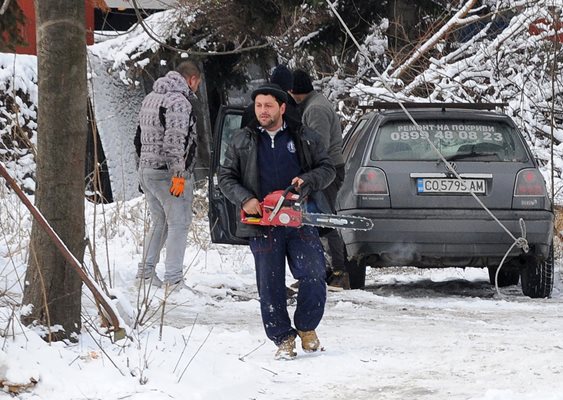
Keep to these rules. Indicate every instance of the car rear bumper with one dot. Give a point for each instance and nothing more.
(456, 238)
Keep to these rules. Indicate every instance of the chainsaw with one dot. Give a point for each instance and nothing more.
(284, 208)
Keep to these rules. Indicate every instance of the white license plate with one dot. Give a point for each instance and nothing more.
(443, 185)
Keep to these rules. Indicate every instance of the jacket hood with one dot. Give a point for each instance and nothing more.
(171, 82)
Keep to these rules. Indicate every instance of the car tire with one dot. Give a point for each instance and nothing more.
(537, 277)
(357, 273)
(508, 275)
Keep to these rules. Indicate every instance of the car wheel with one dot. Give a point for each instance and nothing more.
(357, 273)
(537, 277)
(508, 275)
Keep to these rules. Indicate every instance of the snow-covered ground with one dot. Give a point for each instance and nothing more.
(412, 334)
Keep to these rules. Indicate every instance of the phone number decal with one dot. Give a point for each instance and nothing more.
(449, 135)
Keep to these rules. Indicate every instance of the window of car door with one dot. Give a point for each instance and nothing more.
(231, 124)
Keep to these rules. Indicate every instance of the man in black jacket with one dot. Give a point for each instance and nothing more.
(272, 154)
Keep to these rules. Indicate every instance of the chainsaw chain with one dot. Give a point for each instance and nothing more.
(350, 218)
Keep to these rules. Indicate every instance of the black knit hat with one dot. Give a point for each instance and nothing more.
(271, 89)
(301, 82)
(282, 76)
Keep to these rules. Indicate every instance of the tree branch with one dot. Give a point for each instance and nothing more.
(456, 20)
(239, 49)
(4, 7)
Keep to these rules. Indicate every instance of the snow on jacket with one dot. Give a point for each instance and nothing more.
(239, 175)
(167, 129)
(319, 115)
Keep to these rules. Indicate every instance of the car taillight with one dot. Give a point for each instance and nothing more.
(529, 182)
(370, 180)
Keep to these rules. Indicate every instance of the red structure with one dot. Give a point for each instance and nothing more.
(542, 25)
(28, 30)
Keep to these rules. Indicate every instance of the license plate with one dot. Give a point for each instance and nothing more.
(441, 185)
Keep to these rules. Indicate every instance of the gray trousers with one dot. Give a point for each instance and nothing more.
(170, 220)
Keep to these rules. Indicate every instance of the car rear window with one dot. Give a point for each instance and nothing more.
(467, 140)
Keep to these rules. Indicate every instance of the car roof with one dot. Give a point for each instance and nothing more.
(438, 110)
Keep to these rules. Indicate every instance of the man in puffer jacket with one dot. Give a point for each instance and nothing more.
(166, 144)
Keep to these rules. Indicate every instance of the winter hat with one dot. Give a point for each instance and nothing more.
(282, 76)
(271, 89)
(301, 82)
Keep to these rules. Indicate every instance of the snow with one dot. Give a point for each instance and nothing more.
(18, 78)
(412, 334)
(424, 334)
(136, 45)
(18, 73)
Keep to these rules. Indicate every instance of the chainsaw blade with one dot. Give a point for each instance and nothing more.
(337, 221)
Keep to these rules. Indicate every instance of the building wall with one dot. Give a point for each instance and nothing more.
(28, 30)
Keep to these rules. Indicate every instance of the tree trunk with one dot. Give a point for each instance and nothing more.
(52, 287)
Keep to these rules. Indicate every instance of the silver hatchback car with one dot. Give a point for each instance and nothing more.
(426, 216)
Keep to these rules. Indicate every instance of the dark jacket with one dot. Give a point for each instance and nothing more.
(319, 115)
(239, 178)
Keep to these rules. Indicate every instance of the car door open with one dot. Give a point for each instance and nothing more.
(222, 213)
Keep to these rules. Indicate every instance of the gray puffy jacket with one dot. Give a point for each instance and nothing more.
(167, 126)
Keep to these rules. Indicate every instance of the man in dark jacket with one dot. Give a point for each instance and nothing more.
(272, 154)
(166, 145)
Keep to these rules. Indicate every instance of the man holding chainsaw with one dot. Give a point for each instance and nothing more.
(270, 154)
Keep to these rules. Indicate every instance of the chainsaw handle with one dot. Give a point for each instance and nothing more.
(290, 188)
(249, 218)
(280, 202)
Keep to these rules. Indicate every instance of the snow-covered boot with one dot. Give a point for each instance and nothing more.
(309, 341)
(151, 279)
(286, 350)
(176, 287)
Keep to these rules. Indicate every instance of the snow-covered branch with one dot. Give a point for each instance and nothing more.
(456, 21)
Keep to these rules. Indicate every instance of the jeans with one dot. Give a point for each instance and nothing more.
(304, 253)
(170, 220)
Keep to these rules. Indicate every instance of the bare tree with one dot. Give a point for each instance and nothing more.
(52, 286)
